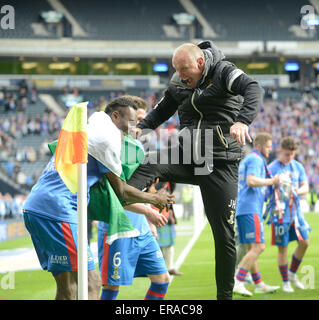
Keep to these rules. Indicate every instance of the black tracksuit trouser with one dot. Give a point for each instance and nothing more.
(219, 193)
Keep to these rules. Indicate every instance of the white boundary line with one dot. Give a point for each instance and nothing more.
(181, 258)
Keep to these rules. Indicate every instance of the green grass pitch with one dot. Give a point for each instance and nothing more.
(198, 282)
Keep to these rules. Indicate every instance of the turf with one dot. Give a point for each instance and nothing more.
(198, 281)
(24, 242)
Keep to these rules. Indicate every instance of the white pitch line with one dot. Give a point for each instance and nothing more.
(188, 248)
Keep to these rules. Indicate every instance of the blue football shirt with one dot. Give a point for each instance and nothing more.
(296, 171)
(250, 200)
(51, 199)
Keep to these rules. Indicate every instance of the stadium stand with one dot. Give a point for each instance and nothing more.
(26, 125)
(247, 21)
(287, 116)
(144, 20)
(134, 20)
(284, 112)
(26, 20)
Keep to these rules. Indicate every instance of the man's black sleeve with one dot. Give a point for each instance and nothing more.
(237, 82)
(165, 108)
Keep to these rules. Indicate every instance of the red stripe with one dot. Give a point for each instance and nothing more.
(156, 294)
(299, 236)
(273, 234)
(105, 262)
(70, 245)
(257, 228)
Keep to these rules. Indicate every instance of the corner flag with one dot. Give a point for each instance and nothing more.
(72, 146)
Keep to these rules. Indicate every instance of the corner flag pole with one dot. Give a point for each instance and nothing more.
(71, 157)
(82, 233)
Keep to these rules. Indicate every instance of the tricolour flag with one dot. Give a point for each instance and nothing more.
(72, 146)
(104, 204)
(122, 157)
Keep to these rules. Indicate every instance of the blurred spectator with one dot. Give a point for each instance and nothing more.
(2, 100)
(271, 93)
(187, 200)
(11, 206)
(8, 205)
(2, 207)
(300, 119)
(167, 234)
(279, 117)
(33, 95)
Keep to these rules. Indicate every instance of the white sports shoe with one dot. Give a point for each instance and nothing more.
(265, 288)
(240, 289)
(286, 287)
(294, 279)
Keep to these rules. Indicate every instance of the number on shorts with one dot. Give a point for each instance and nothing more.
(117, 259)
(279, 230)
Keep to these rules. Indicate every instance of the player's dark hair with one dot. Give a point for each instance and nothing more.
(119, 103)
(140, 102)
(289, 143)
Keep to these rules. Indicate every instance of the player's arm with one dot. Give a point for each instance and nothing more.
(303, 181)
(303, 188)
(130, 194)
(152, 215)
(164, 109)
(254, 181)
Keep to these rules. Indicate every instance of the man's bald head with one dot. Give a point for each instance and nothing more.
(189, 50)
(189, 63)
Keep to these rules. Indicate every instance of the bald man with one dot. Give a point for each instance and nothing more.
(216, 102)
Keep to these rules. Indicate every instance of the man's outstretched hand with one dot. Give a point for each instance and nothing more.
(163, 199)
(239, 131)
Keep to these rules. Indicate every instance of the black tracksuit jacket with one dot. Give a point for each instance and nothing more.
(224, 95)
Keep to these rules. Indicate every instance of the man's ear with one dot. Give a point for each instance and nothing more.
(201, 62)
(115, 115)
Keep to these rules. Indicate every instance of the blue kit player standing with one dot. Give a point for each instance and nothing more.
(293, 226)
(126, 259)
(251, 196)
(50, 212)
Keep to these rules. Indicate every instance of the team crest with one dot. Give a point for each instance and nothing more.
(115, 274)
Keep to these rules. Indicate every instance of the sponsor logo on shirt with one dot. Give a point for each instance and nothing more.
(59, 259)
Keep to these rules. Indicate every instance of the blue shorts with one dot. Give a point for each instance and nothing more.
(55, 243)
(127, 258)
(283, 233)
(250, 228)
